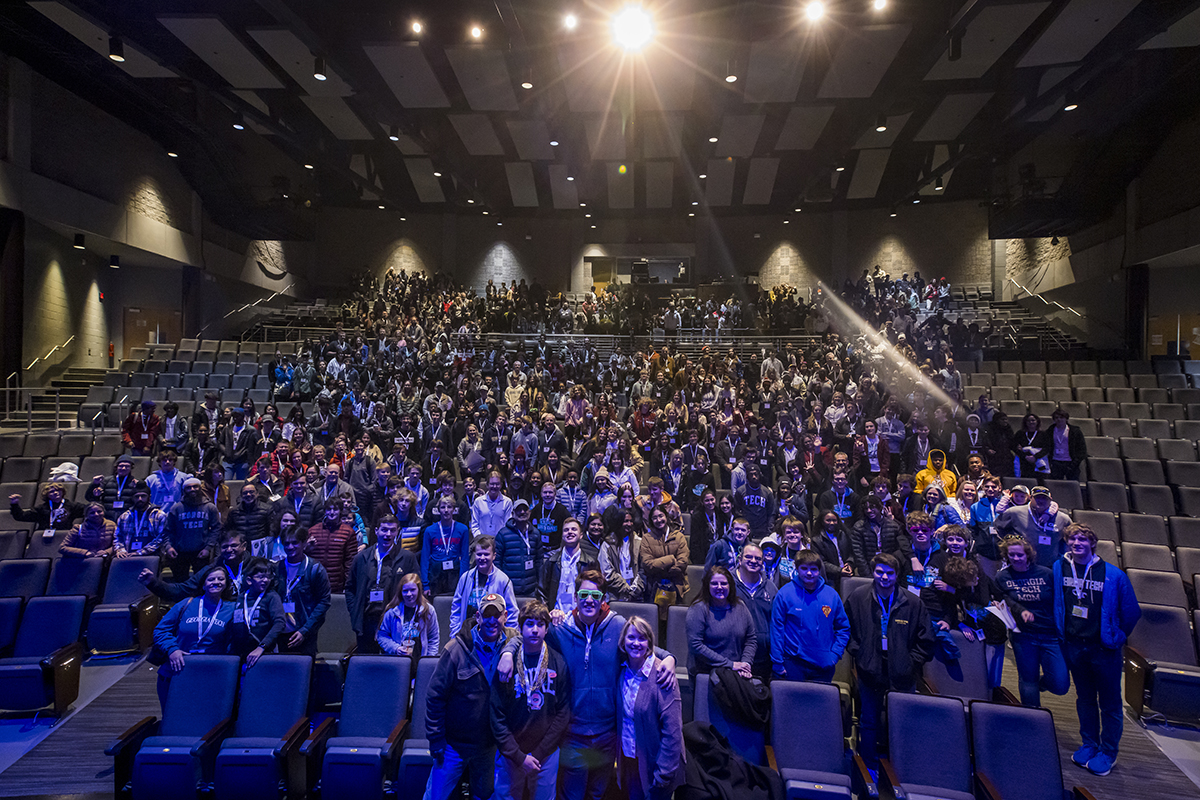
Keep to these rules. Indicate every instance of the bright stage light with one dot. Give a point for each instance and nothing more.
(814, 10)
(632, 28)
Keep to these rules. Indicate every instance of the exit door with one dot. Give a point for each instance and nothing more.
(151, 326)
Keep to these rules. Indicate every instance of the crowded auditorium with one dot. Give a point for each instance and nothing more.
(636, 399)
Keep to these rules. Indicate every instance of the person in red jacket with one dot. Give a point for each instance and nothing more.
(332, 543)
(140, 429)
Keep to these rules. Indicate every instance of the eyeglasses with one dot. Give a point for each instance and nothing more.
(585, 594)
(751, 560)
(920, 530)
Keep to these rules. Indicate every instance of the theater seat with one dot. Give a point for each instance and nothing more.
(812, 758)
(747, 741)
(47, 657)
(1161, 671)
(358, 751)
(1016, 754)
(913, 767)
(125, 618)
(415, 759)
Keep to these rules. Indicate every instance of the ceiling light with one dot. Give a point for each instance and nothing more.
(881, 123)
(814, 10)
(695, 202)
(114, 261)
(476, 32)
(632, 28)
(1071, 102)
(593, 227)
(583, 205)
(486, 213)
(937, 185)
(472, 202)
(702, 176)
(319, 69)
(239, 122)
(731, 78)
(554, 143)
(526, 85)
(499, 224)
(880, 5)
(712, 140)
(437, 174)
(172, 154)
(416, 27)
(691, 213)
(116, 49)
(587, 216)
(570, 177)
(394, 133)
(570, 22)
(79, 242)
(382, 206)
(916, 200)
(404, 219)
(1053, 241)
(308, 166)
(785, 222)
(797, 210)
(893, 214)
(1070, 106)
(840, 167)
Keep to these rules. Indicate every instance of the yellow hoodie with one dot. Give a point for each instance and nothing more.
(931, 477)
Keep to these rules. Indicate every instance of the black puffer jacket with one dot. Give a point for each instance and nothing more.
(253, 523)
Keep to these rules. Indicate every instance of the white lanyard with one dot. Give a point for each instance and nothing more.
(237, 579)
(287, 592)
(1079, 586)
(248, 613)
(202, 631)
(137, 526)
(379, 566)
(445, 537)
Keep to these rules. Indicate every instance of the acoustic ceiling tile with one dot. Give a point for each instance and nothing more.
(220, 48)
(407, 73)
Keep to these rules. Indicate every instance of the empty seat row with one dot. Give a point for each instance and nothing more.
(37, 470)
(43, 445)
(201, 379)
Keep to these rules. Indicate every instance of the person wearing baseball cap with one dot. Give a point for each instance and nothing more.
(139, 432)
(458, 711)
(1040, 523)
(141, 529)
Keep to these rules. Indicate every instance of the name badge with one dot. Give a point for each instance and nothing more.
(915, 590)
(398, 440)
(275, 498)
(499, 450)
(764, 461)
(1079, 611)
(448, 565)
(1044, 539)
(529, 564)
(545, 449)
(766, 406)
(884, 644)
(289, 608)
(118, 503)
(145, 437)
(376, 595)
(545, 538)
(239, 615)
(433, 481)
(48, 534)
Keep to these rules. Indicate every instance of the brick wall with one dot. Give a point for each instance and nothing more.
(938, 239)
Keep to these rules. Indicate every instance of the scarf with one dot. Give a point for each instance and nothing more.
(541, 678)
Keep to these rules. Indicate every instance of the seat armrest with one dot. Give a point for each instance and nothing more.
(1080, 793)
(771, 762)
(132, 738)
(987, 789)
(862, 776)
(891, 781)
(1137, 673)
(1002, 694)
(1133, 655)
(63, 655)
(61, 670)
(318, 737)
(394, 739)
(218, 732)
(293, 738)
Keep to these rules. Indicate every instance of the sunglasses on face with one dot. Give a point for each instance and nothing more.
(594, 594)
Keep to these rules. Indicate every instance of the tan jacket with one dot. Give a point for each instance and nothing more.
(83, 540)
(665, 559)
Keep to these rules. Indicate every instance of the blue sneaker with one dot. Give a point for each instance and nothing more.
(874, 775)
(1083, 755)
(1101, 765)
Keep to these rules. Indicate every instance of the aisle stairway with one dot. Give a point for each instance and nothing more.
(74, 385)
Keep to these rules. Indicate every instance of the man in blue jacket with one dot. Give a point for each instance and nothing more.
(1095, 610)
(809, 628)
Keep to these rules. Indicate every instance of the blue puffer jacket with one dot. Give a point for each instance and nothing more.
(512, 556)
(1119, 609)
(809, 626)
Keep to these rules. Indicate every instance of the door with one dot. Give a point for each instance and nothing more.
(149, 326)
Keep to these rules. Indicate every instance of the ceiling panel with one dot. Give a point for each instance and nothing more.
(338, 117)
(587, 79)
(1075, 31)
(221, 49)
(483, 75)
(562, 191)
(672, 83)
(874, 139)
(137, 64)
(477, 134)
(951, 116)
(986, 38)
(408, 145)
(739, 135)
(606, 137)
(774, 72)
(803, 127)
(760, 181)
(660, 176)
(427, 185)
(521, 185)
(253, 100)
(1053, 77)
(408, 74)
(868, 172)
(1184, 33)
(620, 185)
(862, 59)
(296, 59)
(718, 186)
(531, 138)
(662, 135)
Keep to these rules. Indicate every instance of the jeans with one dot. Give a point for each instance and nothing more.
(184, 564)
(870, 701)
(513, 784)
(236, 472)
(796, 670)
(994, 653)
(1039, 663)
(479, 765)
(1064, 470)
(1096, 670)
(587, 764)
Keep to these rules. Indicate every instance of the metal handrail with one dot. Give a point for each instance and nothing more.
(52, 349)
(248, 305)
(25, 396)
(1044, 300)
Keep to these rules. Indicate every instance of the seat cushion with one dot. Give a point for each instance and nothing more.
(159, 742)
(415, 752)
(20, 662)
(803, 784)
(22, 686)
(356, 742)
(915, 791)
(249, 743)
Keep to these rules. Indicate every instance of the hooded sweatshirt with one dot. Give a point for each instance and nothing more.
(930, 476)
(809, 626)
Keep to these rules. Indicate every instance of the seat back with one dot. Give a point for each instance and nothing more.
(376, 696)
(122, 586)
(1164, 634)
(441, 607)
(850, 584)
(914, 721)
(1103, 523)
(647, 611)
(676, 643)
(336, 635)
(1155, 557)
(49, 623)
(76, 576)
(24, 577)
(1016, 748)
(425, 668)
(1160, 588)
(274, 695)
(748, 742)
(212, 678)
(12, 544)
(1156, 500)
(43, 546)
(1143, 529)
(816, 745)
(965, 678)
(1108, 496)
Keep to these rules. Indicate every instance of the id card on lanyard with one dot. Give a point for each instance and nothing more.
(201, 629)
(885, 616)
(289, 605)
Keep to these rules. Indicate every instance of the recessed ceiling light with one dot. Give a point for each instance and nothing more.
(486, 213)
(880, 5)
(476, 32)
(416, 27)
(797, 211)
(593, 226)
(394, 133)
(570, 22)
(308, 166)
(731, 78)
(382, 206)
(691, 213)
(172, 154)
(114, 261)
(80, 242)
(583, 205)
(319, 69)
(499, 224)
(938, 186)
(116, 49)
(587, 216)
(703, 176)
(695, 202)
(554, 143)
(712, 140)
(893, 214)
(785, 222)
(526, 85)
(437, 174)
(632, 27)
(570, 177)
(239, 123)
(404, 219)
(916, 200)
(881, 124)
(840, 168)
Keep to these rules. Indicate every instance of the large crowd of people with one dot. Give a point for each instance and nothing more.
(436, 465)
